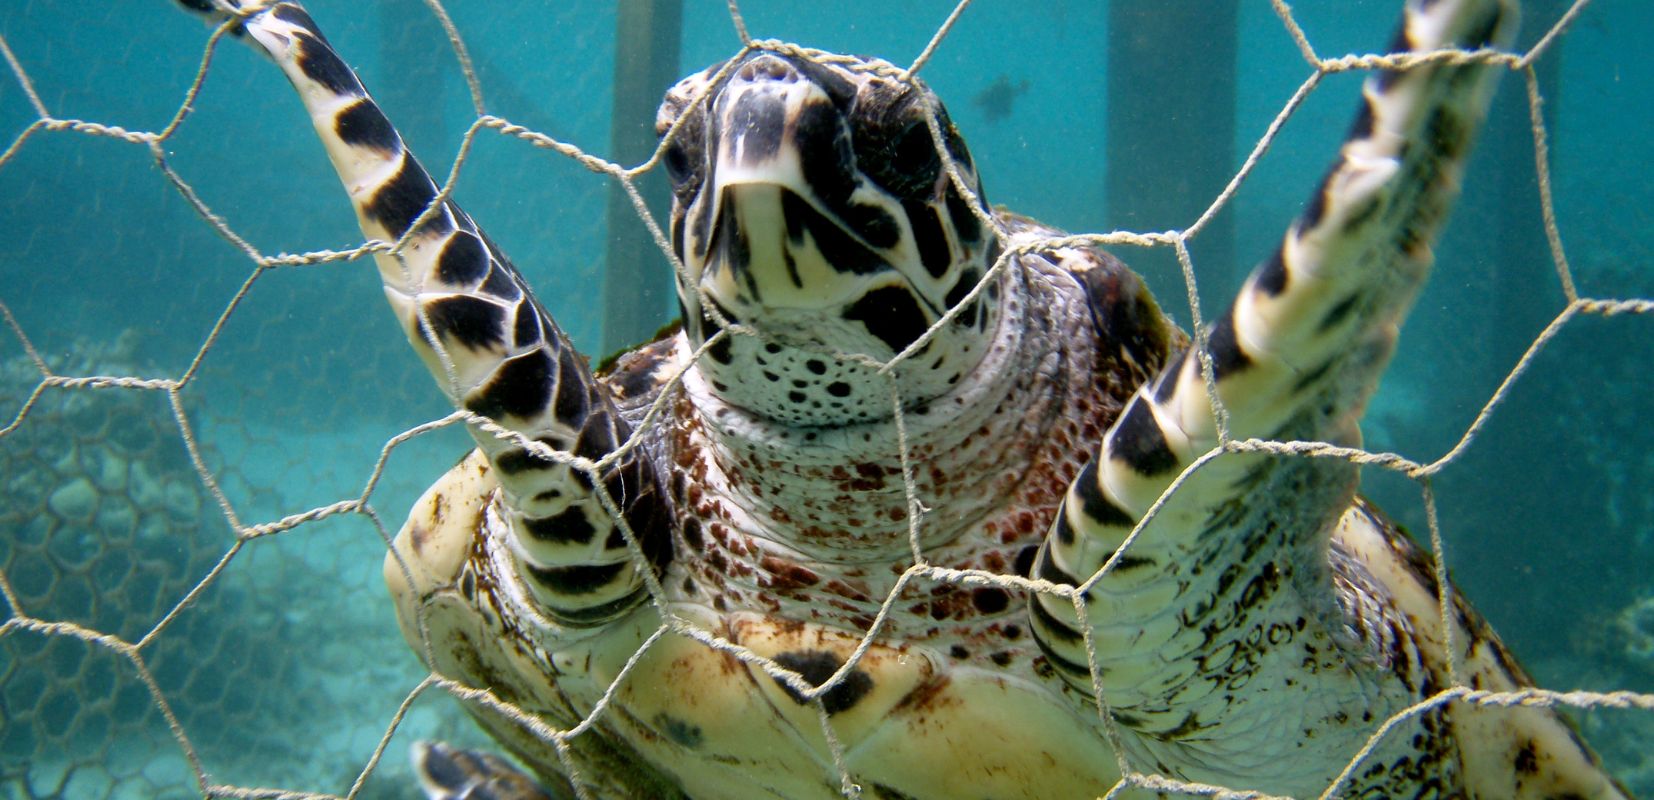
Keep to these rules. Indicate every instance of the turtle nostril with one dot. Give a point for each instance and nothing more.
(767, 68)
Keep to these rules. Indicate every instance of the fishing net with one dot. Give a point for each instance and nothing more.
(195, 503)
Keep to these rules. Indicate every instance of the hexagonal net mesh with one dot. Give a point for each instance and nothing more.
(189, 562)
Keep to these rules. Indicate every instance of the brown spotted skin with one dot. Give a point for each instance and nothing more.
(1253, 638)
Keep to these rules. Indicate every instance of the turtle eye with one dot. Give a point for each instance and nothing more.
(914, 150)
(903, 162)
(677, 164)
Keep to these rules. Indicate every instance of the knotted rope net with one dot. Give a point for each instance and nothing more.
(195, 504)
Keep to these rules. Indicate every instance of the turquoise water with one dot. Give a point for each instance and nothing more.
(287, 668)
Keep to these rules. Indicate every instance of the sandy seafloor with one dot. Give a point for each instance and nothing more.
(287, 669)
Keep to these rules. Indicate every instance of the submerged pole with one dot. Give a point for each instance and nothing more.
(1171, 116)
(636, 289)
(411, 49)
(1522, 256)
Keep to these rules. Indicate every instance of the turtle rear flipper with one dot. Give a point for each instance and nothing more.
(448, 773)
(493, 349)
(1226, 641)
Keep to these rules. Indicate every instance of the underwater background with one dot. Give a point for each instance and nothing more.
(286, 668)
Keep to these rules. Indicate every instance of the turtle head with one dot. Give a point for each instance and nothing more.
(811, 204)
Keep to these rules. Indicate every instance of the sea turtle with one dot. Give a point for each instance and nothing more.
(747, 561)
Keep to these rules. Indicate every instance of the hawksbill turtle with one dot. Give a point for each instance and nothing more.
(708, 549)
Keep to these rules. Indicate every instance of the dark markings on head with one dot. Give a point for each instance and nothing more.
(968, 279)
(838, 389)
(517, 388)
(965, 223)
(840, 91)
(892, 315)
(568, 526)
(829, 168)
(1139, 442)
(735, 250)
(463, 260)
(701, 226)
(677, 237)
(930, 237)
(319, 63)
(581, 579)
(758, 122)
(898, 153)
(816, 666)
(1272, 276)
(1097, 506)
(1227, 356)
(362, 124)
(792, 267)
(470, 321)
(875, 225)
(401, 199)
(841, 251)
(719, 352)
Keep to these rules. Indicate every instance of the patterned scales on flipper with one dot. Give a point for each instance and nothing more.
(1262, 627)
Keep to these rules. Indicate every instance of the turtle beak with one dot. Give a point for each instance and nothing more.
(781, 143)
(757, 115)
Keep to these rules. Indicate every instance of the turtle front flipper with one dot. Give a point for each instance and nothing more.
(1227, 644)
(488, 342)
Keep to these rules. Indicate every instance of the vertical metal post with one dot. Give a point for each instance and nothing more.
(412, 51)
(1522, 262)
(635, 288)
(1171, 115)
